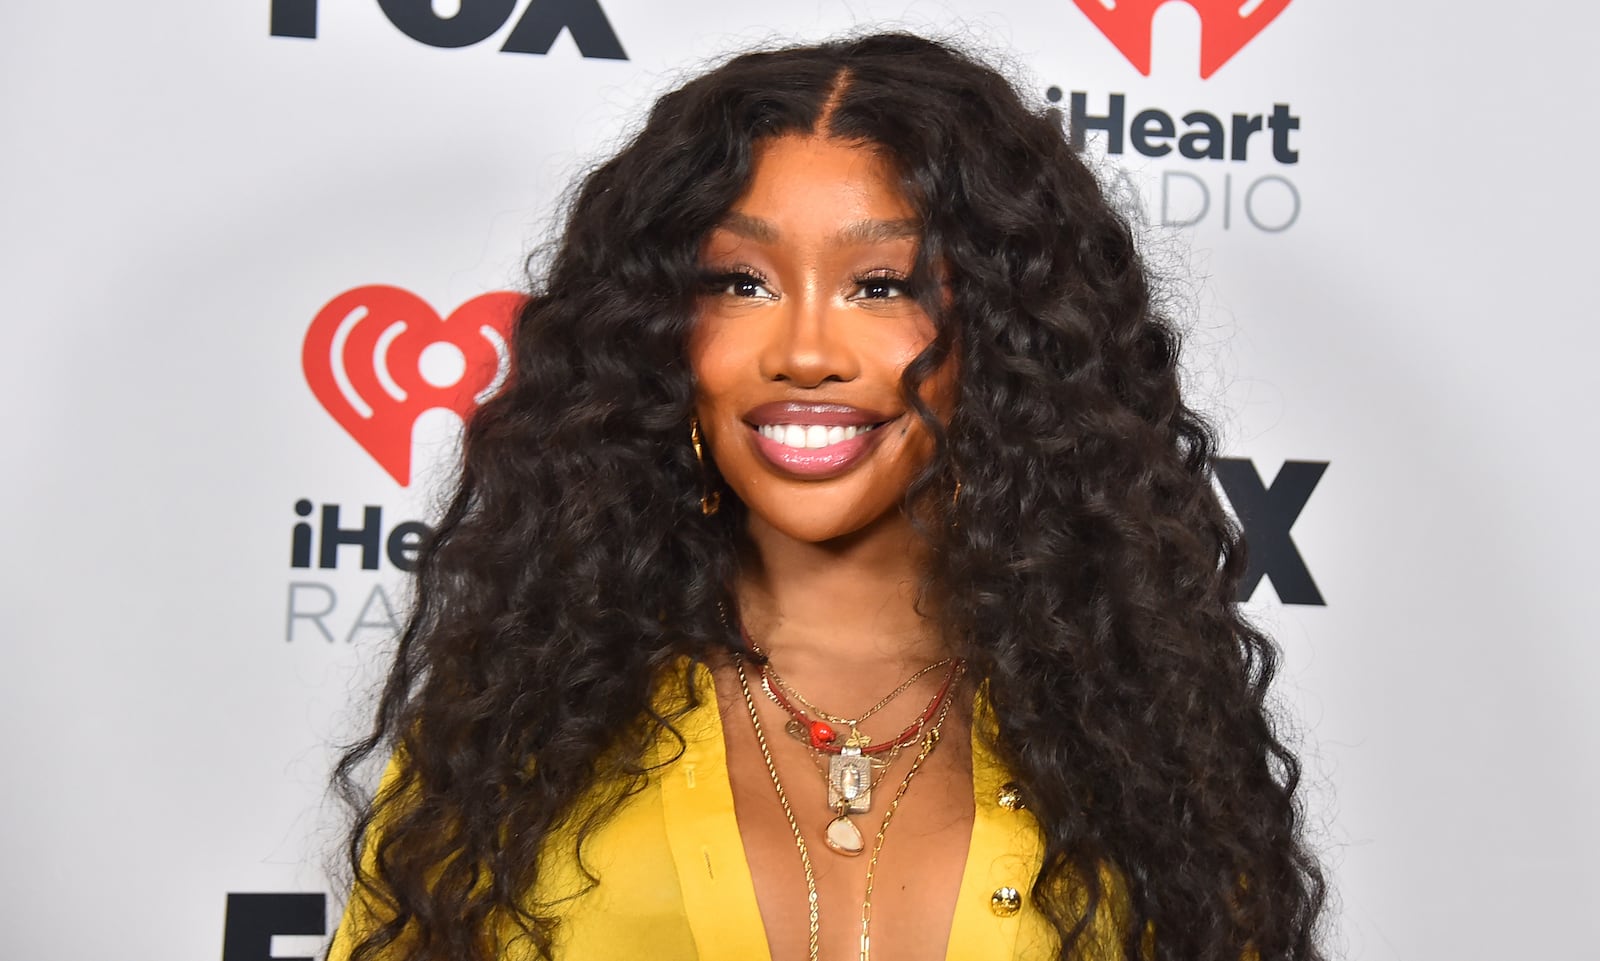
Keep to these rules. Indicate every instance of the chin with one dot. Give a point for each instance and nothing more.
(822, 524)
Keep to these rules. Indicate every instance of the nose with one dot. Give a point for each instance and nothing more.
(810, 344)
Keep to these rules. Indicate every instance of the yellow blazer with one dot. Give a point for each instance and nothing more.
(675, 886)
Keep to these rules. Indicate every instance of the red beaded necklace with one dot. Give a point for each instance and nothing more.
(824, 738)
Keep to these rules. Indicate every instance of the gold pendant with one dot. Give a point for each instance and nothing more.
(844, 837)
(850, 781)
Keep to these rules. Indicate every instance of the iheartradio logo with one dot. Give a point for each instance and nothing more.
(378, 357)
(1226, 26)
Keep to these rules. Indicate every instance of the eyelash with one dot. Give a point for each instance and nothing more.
(887, 278)
(718, 281)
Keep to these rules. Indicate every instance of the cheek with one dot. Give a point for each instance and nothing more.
(710, 360)
(719, 370)
(942, 389)
(939, 392)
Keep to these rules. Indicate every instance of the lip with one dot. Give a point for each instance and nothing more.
(819, 463)
(826, 415)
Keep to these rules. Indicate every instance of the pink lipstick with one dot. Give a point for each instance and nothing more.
(814, 441)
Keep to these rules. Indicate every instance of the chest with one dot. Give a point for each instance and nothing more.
(916, 834)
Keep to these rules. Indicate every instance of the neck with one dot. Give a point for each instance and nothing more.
(844, 605)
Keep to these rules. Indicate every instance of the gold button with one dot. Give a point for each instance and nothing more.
(1010, 796)
(1005, 902)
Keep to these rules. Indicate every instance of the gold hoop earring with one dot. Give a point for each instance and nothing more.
(710, 500)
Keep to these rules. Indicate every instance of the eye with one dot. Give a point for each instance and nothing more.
(744, 282)
(882, 285)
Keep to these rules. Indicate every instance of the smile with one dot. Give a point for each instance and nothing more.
(811, 436)
(814, 441)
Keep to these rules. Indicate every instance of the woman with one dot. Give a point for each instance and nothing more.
(839, 573)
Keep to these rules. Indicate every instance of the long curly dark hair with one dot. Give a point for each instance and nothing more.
(1087, 567)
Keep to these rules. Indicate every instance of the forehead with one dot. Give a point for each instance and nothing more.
(814, 185)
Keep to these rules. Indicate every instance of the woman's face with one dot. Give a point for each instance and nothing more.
(801, 335)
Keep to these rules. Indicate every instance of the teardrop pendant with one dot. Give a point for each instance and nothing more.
(844, 837)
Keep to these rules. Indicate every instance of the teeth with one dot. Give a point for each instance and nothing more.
(809, 436)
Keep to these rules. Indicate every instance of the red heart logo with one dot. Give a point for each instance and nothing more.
(1225, 27)
(377, 357)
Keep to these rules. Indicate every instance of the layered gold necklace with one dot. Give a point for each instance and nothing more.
(852, 767)
(849, 770)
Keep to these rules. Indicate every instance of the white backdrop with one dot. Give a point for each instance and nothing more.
(183, 193)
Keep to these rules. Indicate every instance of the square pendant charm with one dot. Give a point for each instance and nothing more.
(850, 780)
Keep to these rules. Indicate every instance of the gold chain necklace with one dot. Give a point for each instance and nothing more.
(852, 723)
(854, 771)
(929, 741)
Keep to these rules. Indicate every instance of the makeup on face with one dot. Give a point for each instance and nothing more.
(805, 323)
(814, 441)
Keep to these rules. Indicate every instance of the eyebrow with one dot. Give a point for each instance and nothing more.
(858, 232)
